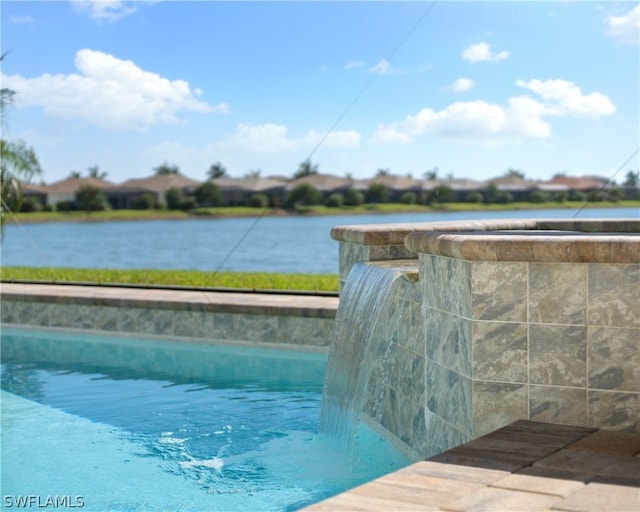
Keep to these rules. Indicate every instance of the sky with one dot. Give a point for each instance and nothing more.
(469, 89)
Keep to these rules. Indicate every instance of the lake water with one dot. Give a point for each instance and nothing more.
(270, 244)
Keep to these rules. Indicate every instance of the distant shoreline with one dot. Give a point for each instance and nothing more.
(239, 212)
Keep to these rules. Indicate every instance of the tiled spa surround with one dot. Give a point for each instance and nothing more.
(508, 320)
(268, 319)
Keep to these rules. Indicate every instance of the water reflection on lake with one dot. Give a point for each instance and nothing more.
(273, 244)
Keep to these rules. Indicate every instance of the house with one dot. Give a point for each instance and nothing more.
(64, 191)
(238, 191)
(128, 194)
(327, 184)
(397, 185)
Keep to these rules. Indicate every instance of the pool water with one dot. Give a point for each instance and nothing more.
(132, 424)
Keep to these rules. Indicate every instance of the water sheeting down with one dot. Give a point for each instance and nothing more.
(360, 344)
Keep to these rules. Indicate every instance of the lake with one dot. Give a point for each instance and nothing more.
(271, 244)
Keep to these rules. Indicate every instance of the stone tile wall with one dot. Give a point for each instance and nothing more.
(197, 321)
(498, 341)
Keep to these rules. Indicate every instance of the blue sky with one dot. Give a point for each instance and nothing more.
(472, 88)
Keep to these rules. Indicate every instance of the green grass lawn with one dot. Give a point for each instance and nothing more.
(245, 211)
(177, 278)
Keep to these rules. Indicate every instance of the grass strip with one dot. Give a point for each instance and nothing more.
(177, 278)
(240, 211)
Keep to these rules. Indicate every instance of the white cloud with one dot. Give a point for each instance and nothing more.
(270, 138)
(461, 85)
(566, 98)
(486, 123)
(482, 52)
(21, 19)
(354, 64)
(265, 138)
(381, 68)
(109, 92)
(106, 10)
(624, 29)
(342, 139)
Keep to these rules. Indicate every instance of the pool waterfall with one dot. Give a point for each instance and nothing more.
(363, 348)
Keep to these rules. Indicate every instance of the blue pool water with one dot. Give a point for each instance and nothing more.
(130, 424)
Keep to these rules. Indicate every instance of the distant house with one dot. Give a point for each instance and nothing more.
(397, 185)
(461, 187)
(327, 184)
(64, 191)
(238, 191)
(128, 194)
(583, 184)
(519, 188)
(39, 192)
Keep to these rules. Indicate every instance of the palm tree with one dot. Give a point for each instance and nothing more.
(216, 170)
(166, 168)
(95, 172)
(18, 164)
(305, 169)
(432, 174)
(6, 95)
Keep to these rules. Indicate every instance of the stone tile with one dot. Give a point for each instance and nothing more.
(18, 312)
(598, 497)
(494, 499)
(543, 481)
(557, 293)
(542, 433)
(497, 404)
(557, 355)
(493, 445)
(81, 316)
(59, 315)
(411, 375)
(376, 497)
(223, 328)
(191, 323)
(553, 404)
(39, 315)
(586, 462)
(451, 399)
(458, 472)
(105, 318)
(412, 329)
(448, 340)
(499, 291)
(434, 320)
(609, 442)
(441, 435)
(430, 283)
(614, 358)
(257, 328)
(455, 285)
(614, 295)
(500, 351)
(614, 410)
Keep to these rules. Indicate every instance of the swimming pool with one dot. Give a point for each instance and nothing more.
(132, 424)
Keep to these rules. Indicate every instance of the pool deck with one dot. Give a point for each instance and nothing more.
(525, 466)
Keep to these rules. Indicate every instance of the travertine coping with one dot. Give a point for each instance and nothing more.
(187, 300)
(594, 241)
